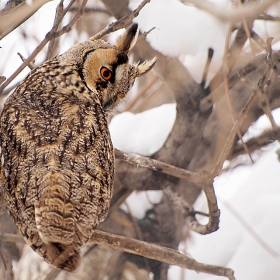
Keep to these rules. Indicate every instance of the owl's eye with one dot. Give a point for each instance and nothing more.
(106, 73)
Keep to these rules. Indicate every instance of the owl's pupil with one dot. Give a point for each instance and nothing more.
(106, 74)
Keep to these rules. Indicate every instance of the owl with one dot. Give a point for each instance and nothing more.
(56, 153)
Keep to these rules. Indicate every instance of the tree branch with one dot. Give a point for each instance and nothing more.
(160, 166)
(12, 19)
(120, 23)
(145, 249)
(49, 36)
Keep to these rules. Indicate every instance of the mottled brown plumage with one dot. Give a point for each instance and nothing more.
(57, 155)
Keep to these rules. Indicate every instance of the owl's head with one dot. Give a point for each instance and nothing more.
(105, 68)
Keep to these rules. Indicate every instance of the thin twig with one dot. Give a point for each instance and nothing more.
(3, 261)
(149, 96)
(145, 34)
(226, 84)
(206, 68)
(141, 92)
(92, 10)
(247, 29)
(57, 22)
(265, 16)
(50, 35)
(30, 65)
(251, 231)
(120, 23)
(228, 144)
(266, 138)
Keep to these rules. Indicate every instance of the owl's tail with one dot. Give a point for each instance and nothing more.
(54, 216)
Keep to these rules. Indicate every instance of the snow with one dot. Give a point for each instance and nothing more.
(249, 191)
(189, 36)
(257, 200)
(147, 199)
(143, 133)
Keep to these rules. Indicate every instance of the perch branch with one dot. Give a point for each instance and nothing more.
(145, 249)
(156, 252)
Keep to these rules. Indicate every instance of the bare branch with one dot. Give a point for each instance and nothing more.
(57, 21)
(266, 138)
(160, 166)
(30, 65)
(228, 144)
(206, 68)
(120, 23)
(156, 252)
(2, 79)
(91, 10)
(250, 10)
(214, 213)
(265, 16)
(144, 249)
(11, 20)
(50, 35)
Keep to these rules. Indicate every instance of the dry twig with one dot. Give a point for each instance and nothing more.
(120, 23)
(226, 84)
(30, 65)
(266, 138)
(49, 36)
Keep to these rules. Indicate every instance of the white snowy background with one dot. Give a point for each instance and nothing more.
(248, 240)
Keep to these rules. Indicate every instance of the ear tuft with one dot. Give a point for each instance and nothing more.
(145, 67)
(129, 39)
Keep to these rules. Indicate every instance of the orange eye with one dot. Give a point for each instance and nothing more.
(106, 73)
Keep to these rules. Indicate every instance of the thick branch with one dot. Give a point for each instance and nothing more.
(145, 249)
(11, 20)
(156, 252)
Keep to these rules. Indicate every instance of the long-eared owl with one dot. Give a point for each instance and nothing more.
(57, 156)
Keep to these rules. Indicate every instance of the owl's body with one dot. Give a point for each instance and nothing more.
(57, 156)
